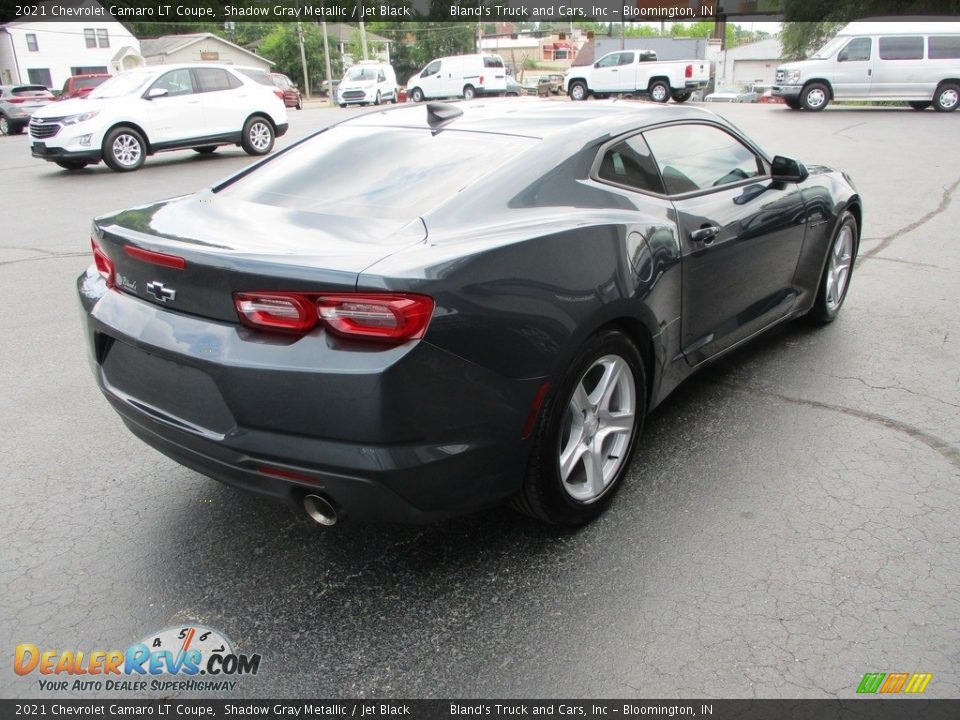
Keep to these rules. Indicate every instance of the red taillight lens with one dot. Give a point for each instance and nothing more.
(278, 93)
(16, 101)
(276, 311)
(688, 72)
(377, 315)
(104, 264)
(393, 317)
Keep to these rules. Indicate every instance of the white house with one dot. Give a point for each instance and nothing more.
(48, 52)
(198, 47)
(755, 63)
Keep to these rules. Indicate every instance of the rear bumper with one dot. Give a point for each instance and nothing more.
(282, 129)
(409, 434)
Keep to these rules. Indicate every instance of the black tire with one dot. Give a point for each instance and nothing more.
(416, 95)
(72, 164)
(815, 97)
(545, 496)
(659, 91)
(681, 97)
(578, 91)
(469, 92)
(206, 149)
(258, 136)
(792, 103)
(124, 149)
(824, 310)
(378, 100)
(343, 105)
(947, 97)
(923, 105)
(9, 128)
(299, 103)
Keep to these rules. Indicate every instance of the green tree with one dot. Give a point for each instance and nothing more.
(282, 48)
(799, 39)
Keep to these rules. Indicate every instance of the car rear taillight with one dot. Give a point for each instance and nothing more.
(276, 311)
(392, 317)
(104, 264)
(278, 93)
(481, 79)
(377, 315)
(688, 72)
(16, 101)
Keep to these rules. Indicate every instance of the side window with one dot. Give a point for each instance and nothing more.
(381, 77)
(175, 82)
(944, 47)
(431, 69)
(626, 58)
(901, 48)
(700, 157)
(492, 62)
(856, 50)
(629, 163)
(611, 60)
(212, 79)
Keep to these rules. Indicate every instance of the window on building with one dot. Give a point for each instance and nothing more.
(103, 38)
(32, 42)
(561, 54)
(40, 76)
(90, 37)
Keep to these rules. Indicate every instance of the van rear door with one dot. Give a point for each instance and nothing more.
(494, 74)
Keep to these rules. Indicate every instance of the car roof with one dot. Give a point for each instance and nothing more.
(539, 118)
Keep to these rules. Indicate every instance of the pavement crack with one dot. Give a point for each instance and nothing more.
(886, 241)
(898, 386)
(944, 448)
(47, 256)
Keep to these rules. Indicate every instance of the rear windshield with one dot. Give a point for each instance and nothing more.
(88, 82)
(257, 75)
(394, 172)
(30, 91)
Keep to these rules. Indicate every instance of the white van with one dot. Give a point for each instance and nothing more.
(916, 62)
(465, 76)
(369, 82)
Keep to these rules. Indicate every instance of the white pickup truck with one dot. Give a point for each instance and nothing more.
(637, 71)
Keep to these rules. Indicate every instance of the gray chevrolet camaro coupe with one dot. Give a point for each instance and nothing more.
(428, 310)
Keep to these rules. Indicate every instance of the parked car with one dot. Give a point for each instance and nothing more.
(638, 72)
(553, 82)
(81, 85)
(465, 76)
(18, 103)
(734, 95)
(291, 93)
(582, 261)
(915, 62)
(162, 107)
(368, 83)
(515, 89)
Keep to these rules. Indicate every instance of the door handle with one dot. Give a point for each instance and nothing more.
(705, 234)
(869, 72)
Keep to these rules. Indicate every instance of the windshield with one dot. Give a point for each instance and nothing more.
(361, 73)
(121, 85)
(829, 49)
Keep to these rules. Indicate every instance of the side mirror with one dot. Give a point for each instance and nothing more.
(788, 170)
(154, 93)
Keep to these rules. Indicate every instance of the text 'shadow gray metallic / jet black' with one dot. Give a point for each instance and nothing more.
(428, 310)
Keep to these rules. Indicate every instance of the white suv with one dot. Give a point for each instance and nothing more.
(165, 107)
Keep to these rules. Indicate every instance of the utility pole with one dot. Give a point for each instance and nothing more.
(623, 34)
(303, 59)
(326, 57)
(363, 41)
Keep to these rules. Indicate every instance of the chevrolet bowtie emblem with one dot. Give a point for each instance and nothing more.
(160, 292)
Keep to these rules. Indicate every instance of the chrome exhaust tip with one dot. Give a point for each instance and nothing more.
(320, 510)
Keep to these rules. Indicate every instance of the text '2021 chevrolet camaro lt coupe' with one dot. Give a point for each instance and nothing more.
(429, 310)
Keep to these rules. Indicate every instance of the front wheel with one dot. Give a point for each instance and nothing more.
(920, 105)
(257, 137)
(577, 91)
(124, 149)
(815, 97)
(416, 95)
(587, 433)
(377, 99)
(837, 271)
(659, 91)
(792, 103)
(947, 98)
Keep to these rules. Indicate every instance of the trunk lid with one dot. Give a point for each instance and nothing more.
(228, 245)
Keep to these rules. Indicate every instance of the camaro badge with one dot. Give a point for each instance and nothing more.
(160, 292)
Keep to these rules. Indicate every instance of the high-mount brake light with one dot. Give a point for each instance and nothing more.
(390, 317)
(103, 262)
(155, 258)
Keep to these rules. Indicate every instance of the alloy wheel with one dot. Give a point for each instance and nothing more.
(259, 135)
(597, 428)
(126, 150)
(838, 268)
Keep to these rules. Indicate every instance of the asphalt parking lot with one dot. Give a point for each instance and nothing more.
(789, 523)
